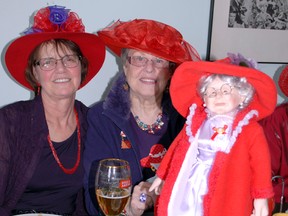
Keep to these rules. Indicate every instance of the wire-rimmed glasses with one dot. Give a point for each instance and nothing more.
(141, 61)
(69, 61)
(225, 89)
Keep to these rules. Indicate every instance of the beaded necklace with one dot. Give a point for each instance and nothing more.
(157, 125)
(73, 169)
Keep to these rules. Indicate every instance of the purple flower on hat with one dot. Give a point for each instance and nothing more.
(56, 19)
(58, 14)
(238, 59)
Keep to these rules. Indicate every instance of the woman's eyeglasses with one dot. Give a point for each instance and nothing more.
(140, 61)
(69, 61)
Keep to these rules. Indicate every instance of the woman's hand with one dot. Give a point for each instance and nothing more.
(141, 199)
(260, 207)
(157, 186)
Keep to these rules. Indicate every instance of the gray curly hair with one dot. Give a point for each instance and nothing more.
(244, 88)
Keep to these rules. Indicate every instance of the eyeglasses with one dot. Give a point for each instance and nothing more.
(225, 89)
(140, 61)
(69, 61)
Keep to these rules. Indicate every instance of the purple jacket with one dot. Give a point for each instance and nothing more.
(23, 133)
(106, 121)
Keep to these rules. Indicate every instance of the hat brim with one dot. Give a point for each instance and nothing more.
(283, 81)
(18, 52)
(184, 82)
(116, 47)
(153, 37)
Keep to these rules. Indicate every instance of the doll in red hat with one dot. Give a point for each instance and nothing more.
(219, 163)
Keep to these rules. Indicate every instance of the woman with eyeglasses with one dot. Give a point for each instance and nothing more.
(136, 121)
(42, 140)
(219, 164)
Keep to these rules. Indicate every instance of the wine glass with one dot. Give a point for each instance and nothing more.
(113, 185)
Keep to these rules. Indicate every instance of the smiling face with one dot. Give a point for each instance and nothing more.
(61, 81)
(221, 98)
(147, 81)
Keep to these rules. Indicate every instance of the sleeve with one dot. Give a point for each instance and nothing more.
(166, 162)
(260, 163)
(4, 161)
(97, 147)
(272, 126)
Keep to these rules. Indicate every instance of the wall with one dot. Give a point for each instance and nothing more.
(190, 17)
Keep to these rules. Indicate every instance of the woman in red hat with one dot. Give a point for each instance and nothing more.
(219, 163)
(42, 139)
(276, 131)
(136, 121)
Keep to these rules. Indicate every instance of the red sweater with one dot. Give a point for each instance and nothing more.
(276, 131)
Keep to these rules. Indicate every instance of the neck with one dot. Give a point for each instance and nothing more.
(146, 110)
(60, 118)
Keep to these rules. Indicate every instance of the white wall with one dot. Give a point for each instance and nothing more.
(190, 17)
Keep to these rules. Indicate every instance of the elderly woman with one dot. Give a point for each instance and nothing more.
(136, 122)
(42, 139)
(276, 131)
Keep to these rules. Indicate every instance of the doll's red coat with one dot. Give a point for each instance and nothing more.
(235, 179)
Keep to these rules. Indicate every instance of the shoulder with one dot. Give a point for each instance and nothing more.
(17, 109)
(96, 108)
(279, 116)
(82, 108)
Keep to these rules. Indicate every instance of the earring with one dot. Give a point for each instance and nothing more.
(125, 86)
(167, 89)
(204, 105)
(241, 105)
(38, 89)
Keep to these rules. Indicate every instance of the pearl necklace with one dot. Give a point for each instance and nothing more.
(157, 125)
(73, 169)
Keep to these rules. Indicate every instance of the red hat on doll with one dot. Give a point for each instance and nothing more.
(149, 36)
(54, 22)
(184, 83)
(283, 81)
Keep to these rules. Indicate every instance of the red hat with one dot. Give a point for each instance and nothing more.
(149, 36)
(184, 82)
(50, 23)
(283, 81)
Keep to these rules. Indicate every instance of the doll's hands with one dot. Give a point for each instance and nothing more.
(157, 186)
(141, 199)
(260, 207)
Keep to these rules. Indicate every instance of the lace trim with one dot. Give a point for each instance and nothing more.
(235, 133)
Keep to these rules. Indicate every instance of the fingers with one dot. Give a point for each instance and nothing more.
(156, 186)
(141, 198)
(260, 207)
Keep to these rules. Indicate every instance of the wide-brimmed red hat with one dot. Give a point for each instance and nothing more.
(54, 22)
(149, 36)
(283, 81)
(184, 82)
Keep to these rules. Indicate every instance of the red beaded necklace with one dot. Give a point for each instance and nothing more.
(73, 169)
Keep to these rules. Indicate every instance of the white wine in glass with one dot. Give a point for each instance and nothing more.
(113, 185)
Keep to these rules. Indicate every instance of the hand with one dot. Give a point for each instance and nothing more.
(260, 207)
(157, 186)
(135, 207)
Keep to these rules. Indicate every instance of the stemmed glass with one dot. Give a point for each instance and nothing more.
(113, 185)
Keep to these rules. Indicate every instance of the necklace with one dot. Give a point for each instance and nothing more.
(73, 169)
(157, 125)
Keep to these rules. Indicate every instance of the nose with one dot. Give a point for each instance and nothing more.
(219, 93)
(60, 65)
(149, 66)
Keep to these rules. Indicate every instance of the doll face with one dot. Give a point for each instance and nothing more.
(221, 97)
